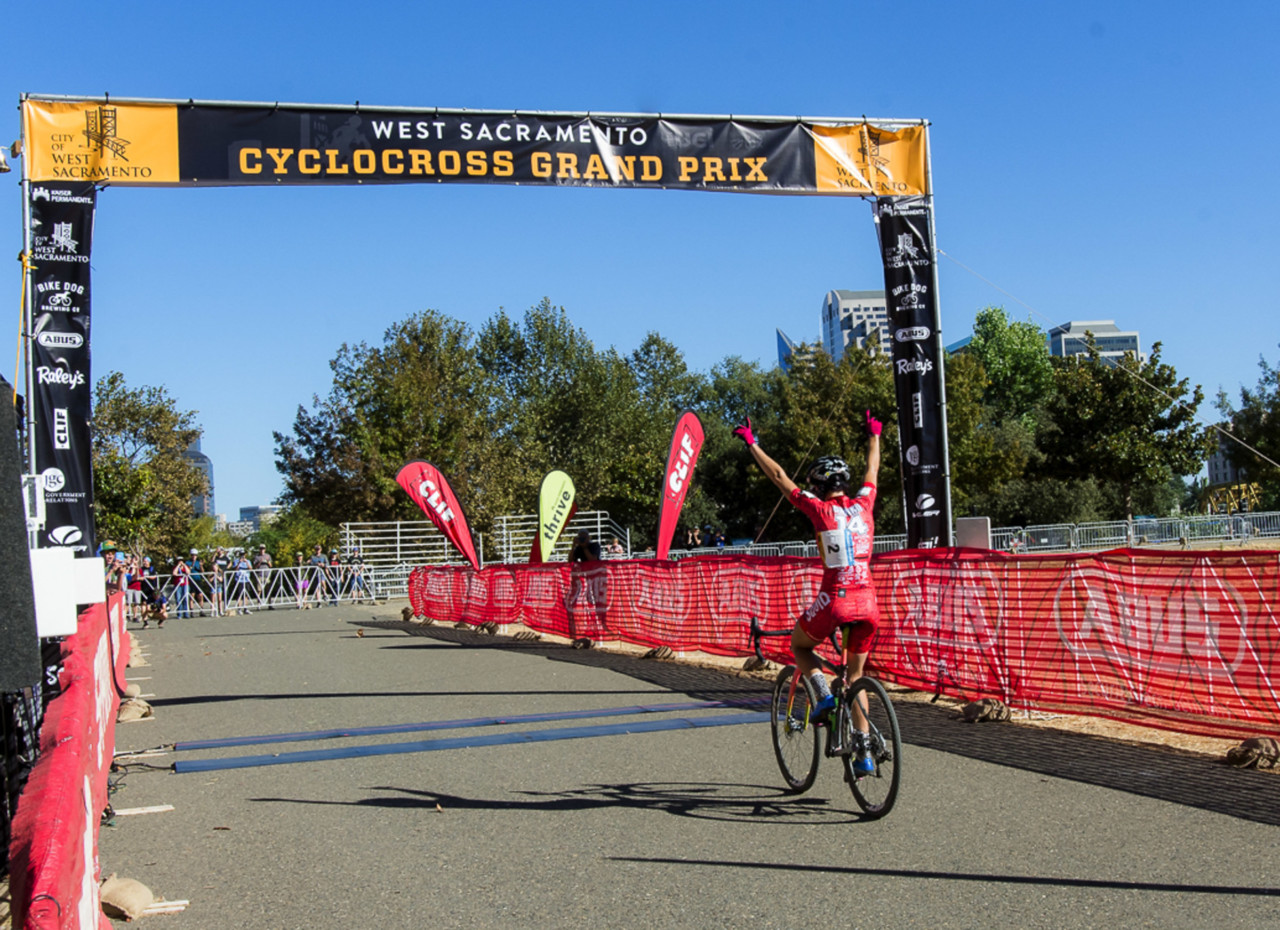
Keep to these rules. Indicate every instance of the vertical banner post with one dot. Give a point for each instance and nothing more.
(910, 283)
(60, 389)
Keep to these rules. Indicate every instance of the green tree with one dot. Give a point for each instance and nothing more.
(143, 484)
(416, 396)
(1130, 423)
(1256, 422)
(1015, 359)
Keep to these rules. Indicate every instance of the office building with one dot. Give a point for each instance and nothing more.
(1112, 342)
(850, 318)
(259, 516)
(202, 504)
(1221, 469)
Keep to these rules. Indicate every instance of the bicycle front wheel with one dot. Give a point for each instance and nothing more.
(795, 739)
(874, 784)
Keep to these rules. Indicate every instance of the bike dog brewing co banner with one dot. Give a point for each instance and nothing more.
(906, 244)
(61, 236)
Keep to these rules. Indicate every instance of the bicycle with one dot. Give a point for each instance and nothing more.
(796, 743)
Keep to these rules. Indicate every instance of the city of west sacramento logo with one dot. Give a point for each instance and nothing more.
(100, 128)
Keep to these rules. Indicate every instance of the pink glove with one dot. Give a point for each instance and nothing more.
(873, 425)
(744, 433)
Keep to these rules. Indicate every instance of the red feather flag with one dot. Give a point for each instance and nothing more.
(685, 446)
(432, 493)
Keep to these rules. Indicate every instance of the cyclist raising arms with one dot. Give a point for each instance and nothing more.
(845, 529)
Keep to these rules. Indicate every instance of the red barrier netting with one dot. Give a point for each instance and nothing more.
(1187, 641)
(54, 851)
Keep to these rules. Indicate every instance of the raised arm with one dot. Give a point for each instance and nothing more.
(772, 470)
(873, 449)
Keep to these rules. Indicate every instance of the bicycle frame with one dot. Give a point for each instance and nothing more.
(836, 669)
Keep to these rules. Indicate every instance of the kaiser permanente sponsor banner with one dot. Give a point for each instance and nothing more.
(430, 491)
(61, 236)
(906, 242)
(686, 443)
(167, 143)
(555, 507)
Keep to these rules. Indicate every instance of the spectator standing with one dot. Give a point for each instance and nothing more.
(301, 580)
(113, 569)
(319, 574)
(221, 566)
(241, 579)
(182, 586)
(262, 566)
(615, 548)
(335, 576)
(196, 588)
(133, 589)
(355, 571)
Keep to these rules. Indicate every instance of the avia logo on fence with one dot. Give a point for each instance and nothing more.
(1194, 629)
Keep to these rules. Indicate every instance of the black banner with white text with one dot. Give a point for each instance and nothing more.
(906, 245)
(60, 401)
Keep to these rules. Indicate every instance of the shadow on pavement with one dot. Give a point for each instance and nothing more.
(1146, 770)
(757, 804)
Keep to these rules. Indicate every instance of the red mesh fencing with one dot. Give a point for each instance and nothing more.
(1182, 640)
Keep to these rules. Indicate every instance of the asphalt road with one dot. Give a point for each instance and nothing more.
(996, 826)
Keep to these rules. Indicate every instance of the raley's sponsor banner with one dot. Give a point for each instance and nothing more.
(430, 491)
(210, 143)
(555, 508)
(61, 237)
(906, 242)
(686, 443)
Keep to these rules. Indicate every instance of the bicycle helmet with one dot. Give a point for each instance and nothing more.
(829, 473)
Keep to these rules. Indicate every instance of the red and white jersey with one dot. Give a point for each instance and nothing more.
(845, 531)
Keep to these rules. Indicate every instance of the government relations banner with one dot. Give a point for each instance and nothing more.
(906, 243)
(59, 406)
(193, 143)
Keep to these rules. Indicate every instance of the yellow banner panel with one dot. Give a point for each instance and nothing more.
(101, 142)
(555, 506)
(864, 159)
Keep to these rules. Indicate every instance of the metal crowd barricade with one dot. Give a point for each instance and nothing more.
(1050, 537)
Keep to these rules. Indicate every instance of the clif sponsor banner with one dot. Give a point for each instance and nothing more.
(1179, 640)
(686, 443)
(906, 243)
(168, 143)
(423, 482)
(61, 241)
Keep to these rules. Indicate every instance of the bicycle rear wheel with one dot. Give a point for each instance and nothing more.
(875, 791)
(795, 739)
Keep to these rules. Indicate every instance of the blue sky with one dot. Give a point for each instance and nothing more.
(1097, 160)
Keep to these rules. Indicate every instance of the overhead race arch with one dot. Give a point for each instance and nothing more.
(72, 147)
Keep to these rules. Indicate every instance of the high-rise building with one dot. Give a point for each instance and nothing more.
(850, 318)
(1069, 339)
(202, 504)
(1221, 469)
(259, 515)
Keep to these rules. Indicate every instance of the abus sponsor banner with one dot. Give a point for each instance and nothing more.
(430, 491)
(906, 242)
(61, 240)
(1180, 640)
(555, 507)
(686, 443)
(190, 143)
